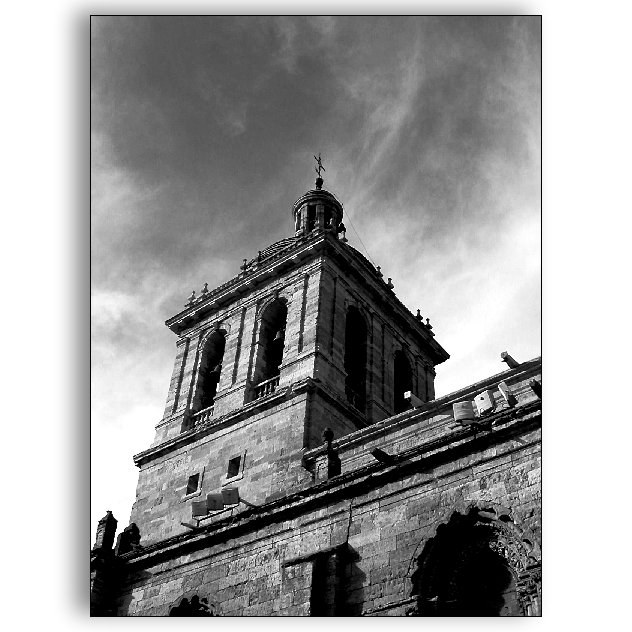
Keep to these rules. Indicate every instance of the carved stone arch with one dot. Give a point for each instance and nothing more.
(480, 562)
(402, 347)
(364, 311)
(218, 327)
(284, 295)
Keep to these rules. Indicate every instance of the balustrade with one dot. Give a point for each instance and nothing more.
(203, 415)
(267, 387)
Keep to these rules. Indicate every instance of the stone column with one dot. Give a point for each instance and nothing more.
(303, 213)
(176, 377)
(430, 376)
(320, 216)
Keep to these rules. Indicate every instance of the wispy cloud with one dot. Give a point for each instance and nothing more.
(203, 132)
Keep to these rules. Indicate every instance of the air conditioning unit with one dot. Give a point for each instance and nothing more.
(198, 509)
(230, 496)
(485, 402)
(214, 502)
(463, 412)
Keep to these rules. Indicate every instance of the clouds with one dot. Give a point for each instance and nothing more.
(203, 134)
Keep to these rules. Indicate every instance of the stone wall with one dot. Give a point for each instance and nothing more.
(362, 543)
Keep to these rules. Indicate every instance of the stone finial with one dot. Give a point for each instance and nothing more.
(390, 283)
(259, 257)
(379, 272)
(191, 298)
(244, 265)
(204, 289)
(419, 317)
(128, 540)
(342, 229)
(105, 532)
(328, 435)
(428, 323)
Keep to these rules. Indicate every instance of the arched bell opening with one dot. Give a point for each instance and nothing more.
(210, 369)
(271, 341)
(355, 358)
(402, 381)
(474, 566)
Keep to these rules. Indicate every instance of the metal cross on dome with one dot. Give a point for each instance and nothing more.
(320, 167)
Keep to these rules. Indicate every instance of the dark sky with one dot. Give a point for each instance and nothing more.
(203, 134)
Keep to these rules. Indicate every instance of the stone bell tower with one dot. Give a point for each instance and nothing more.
(307, 336)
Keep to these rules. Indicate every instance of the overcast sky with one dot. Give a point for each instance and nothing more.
(203, 132)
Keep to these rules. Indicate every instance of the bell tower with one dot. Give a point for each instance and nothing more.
(307, 337)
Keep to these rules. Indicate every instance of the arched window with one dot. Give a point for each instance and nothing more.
(355, 358)
(271, 341)
(210, 368)
(402, 381)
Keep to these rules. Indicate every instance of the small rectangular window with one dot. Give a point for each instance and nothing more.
(233, 467)
(192, 485)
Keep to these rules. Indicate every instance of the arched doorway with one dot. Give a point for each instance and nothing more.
(476, 565)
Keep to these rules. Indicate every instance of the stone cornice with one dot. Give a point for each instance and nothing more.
(312, 245)
(232, 306)
(234, 417)
(317, 195)
(247, 282)
(434, 407)
(216, 423)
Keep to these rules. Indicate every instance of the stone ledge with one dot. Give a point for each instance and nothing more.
(229, 419)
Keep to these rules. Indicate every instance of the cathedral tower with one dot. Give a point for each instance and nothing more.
(307, 336)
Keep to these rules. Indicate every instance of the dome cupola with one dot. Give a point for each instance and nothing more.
(317, 209)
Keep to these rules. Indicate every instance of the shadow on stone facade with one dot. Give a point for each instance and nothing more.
(352, 590)
(139, 578)
(195, 607)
